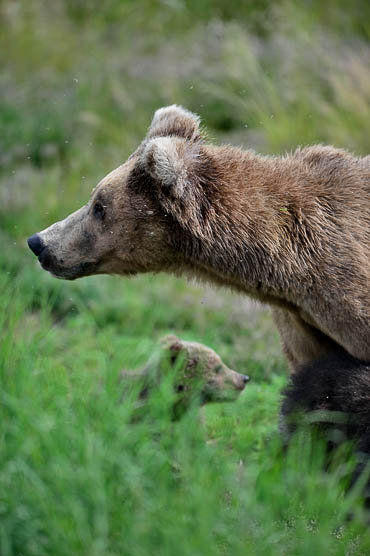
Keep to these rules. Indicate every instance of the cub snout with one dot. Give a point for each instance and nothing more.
(245, 379)
(237, 380)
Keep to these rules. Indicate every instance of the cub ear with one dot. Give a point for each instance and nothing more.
(175, 121)
(171, 162)
(171, 342)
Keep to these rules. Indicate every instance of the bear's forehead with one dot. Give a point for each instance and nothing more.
(206, 353)
(115, 178)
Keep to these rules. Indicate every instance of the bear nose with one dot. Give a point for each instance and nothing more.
(246, 379)
(36, 244)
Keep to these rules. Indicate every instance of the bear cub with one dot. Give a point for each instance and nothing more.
(332, 397)
(197, 371)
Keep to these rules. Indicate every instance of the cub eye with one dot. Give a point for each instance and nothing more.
(98, 210)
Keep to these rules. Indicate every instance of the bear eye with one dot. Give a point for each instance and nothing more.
(98, 210)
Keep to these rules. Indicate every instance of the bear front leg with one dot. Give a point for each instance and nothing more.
(301, 342)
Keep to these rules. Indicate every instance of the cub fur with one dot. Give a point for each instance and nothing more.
(332, 397)
(198, 374)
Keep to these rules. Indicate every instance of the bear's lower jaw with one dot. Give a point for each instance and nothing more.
(219, 396)
(52, 265)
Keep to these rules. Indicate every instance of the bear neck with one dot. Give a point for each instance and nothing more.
(257, 236)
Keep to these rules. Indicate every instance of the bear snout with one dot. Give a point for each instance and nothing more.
(36, 244)
(239, 381)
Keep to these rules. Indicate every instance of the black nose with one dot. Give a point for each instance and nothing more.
(246, 378)
(36, 244)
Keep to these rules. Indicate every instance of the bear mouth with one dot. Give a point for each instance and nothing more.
(214, 394)
(58, 270)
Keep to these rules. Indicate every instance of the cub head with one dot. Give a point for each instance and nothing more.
(136, 214)
(198, 373)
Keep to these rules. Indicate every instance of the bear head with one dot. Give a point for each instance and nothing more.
(139, 215)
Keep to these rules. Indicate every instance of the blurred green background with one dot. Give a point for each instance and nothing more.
(79, 83)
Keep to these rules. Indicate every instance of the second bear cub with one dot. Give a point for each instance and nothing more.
(332, 397)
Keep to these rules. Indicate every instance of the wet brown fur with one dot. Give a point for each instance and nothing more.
(292, 231)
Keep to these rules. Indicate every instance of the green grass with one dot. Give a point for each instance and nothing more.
(79, 84)
(77, 477)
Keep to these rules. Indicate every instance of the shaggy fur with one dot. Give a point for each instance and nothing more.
(332, 395)
(292, 231)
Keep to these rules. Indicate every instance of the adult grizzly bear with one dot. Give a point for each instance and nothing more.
(292, 231)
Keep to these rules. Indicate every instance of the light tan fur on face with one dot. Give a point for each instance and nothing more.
(292, 231)
(128, 240)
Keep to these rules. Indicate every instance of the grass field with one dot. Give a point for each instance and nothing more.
(79, 82)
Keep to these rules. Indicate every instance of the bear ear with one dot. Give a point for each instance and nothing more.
(175, 121)
(171, 162)
(171, 342)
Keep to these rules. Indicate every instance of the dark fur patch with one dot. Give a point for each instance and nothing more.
(86, 242)
(337, 389)
(53, 265)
